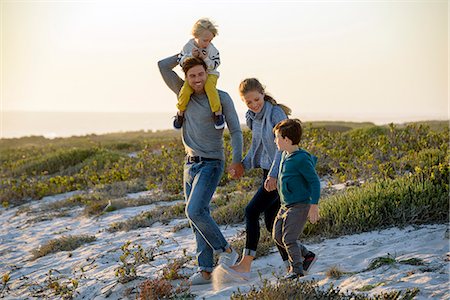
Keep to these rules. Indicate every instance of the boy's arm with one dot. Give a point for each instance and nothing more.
(212, 60)
(173, 81)
(185, 53)
(308, 170)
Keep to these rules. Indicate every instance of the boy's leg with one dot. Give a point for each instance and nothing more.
(294, 222)
(270, 214)
(212, 93)
(184, 96)
(277, 232)
(201, 180)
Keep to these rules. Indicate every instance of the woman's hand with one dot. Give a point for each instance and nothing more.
(313, 214)
(270, 184)
(236, 170)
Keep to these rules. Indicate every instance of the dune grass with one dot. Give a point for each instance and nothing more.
(64, 243)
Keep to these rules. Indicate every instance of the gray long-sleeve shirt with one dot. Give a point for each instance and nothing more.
(200, 138)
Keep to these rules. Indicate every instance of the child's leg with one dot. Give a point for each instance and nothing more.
(213, 94)
(270, 214)
(277, 231)
(184, 96)
(294, 222)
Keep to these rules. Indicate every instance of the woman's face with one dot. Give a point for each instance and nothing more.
(254, 101)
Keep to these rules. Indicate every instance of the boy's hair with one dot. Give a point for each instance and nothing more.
(253, 84)
(290, 128)
(192, 62)
(202, 25)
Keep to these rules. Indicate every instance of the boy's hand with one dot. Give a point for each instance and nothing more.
(203, 53)
(236, 170)
(195, 52)
(270, 184)
(313, 214)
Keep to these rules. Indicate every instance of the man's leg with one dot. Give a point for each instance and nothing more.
(201, 181)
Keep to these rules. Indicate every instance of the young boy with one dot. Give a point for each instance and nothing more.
(299, 188)
(200, 46)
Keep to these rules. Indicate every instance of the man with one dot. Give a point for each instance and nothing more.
(204, 162)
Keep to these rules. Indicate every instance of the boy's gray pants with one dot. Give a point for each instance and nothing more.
(287, 227)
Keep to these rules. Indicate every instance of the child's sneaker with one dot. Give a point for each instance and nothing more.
(178, 121)
(291, 276)
(308, 261)
(219, 121)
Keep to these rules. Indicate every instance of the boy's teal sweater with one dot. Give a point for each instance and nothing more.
(297, 178)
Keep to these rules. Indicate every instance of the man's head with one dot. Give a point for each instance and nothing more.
(195, 71)
(287, 133)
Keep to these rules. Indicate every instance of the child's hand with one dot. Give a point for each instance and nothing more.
(195, 52)
(203, 53)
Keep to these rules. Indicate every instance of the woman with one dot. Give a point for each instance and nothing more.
(263, 114)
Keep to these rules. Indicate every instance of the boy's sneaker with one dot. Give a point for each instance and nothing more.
(219, 121)
(291, 276)
(228, 259)
(309, 259)
(178, 121)
(198, 279)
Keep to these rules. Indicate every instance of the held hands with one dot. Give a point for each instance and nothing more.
(270, 184)
(236, 170)
(313, 214)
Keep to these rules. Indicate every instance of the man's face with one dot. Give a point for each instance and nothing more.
(196, 78)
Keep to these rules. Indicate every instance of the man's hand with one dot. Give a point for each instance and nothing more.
(236, 170)
(313, 214)
(270, 184)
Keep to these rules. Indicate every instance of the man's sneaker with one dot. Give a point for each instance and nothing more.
(198, 279)
(228, 259)
(308, 261)
(291, 276)
(178, 121)
(219, 121)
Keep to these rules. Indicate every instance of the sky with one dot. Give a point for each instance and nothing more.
(327, 60)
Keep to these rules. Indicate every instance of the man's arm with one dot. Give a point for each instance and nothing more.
(173, 81)
(234, 127)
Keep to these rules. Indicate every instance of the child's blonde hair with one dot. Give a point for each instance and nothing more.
(202, 25)
(253, 84)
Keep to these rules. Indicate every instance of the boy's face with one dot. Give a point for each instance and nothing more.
(196, 78)
(254, 101)
(283, 143)
(204, 39)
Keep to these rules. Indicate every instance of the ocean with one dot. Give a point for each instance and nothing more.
(65, 124)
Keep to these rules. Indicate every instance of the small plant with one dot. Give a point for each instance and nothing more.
(60, 287)
(380, 261)
(412, 261)
(5, 279)
(171, 270)
(153, 289)
(335, 272)
(129, 261)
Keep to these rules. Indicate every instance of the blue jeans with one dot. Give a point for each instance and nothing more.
(200, 182)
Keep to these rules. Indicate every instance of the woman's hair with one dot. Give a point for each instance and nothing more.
(253, 84)
(202, 25)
